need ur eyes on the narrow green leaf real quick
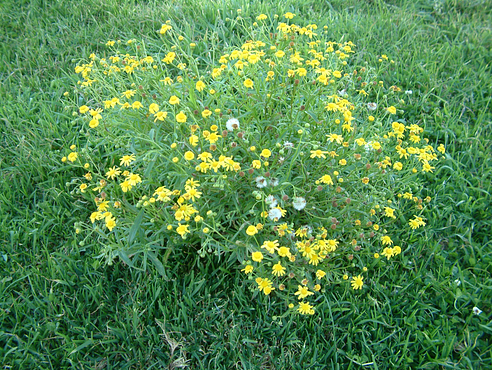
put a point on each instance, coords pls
(135, 227)
(158, 264)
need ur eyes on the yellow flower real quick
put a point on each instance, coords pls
(270, 246)
(389, 212)
(386, 240)
(200, 86)
(302, 292)
(96, 216)
(318, 154)
(257, 256)
(261, 17)
(248, 83)
(251, 230)
(320, 274)
(357, 282)
(110, 223)
(289, 15)
(165, 28)
(193, 140)
(326, 179)
(256, 164)
(83, 187)
(167, 81)
(266, 153)
(182, 230)
(83, 109)
(174, 100)
(161, 116)
(125, 186)
(284, 252)
(153, 108)
(248, 269)
(206, 113)
(305, 309)
(388, 252)
(113, 172)
(416, 222)
(181, 117)
(128, 93)
(280, 54)
(391, 110)
(72, 157)
(127, 159)
(133, 179)
(189, 155)
(278, 269)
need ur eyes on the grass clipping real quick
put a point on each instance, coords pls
(280, 152)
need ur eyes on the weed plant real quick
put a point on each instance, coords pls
(428, 307)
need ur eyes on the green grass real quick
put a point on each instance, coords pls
(59, 309)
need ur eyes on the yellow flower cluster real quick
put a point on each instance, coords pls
(281, 153)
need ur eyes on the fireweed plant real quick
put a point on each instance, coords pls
(282, 154)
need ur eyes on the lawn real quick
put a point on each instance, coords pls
(60, 307)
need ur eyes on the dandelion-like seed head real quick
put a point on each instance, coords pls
(299, 203)
(232, 124)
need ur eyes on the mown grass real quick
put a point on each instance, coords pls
(59, 309)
